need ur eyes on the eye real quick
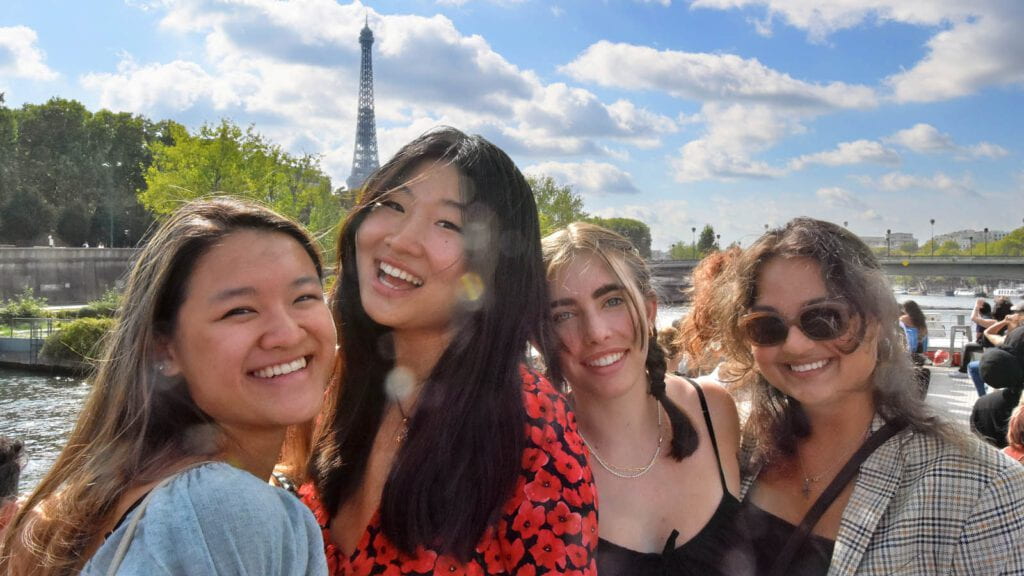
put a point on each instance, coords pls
(240, 311)
(614, 301)
(562, 316)
(449, 225)
(388, 203)
(311, 297)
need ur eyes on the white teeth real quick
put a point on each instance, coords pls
(281, 369)
(606, 360)
(400, 274)
(806, 367)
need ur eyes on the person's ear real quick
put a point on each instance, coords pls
(166, 358)
(651, 309)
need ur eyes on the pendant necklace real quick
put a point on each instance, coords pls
(625, 471)
(403, 431)
(805, 484)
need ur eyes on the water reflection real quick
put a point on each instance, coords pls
(40, 410)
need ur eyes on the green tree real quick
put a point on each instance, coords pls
(681, 251)
(636, 231)
(25, 218)
(706, 241)
(8, 151)
(226, 159)
(557, 206)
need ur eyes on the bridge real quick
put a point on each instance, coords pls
(672, 277)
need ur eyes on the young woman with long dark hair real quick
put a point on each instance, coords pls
(222, 342)
(443, 452)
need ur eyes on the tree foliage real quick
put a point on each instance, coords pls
(226, 159)
(634, 230)
(557, 206)
(706, 242)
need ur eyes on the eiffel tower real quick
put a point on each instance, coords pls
(364, 158)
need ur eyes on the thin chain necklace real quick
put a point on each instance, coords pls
(805, 485)
(624, 471)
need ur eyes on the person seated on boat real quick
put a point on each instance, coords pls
(993, 336)
(915, 327)
(10, 471)
(1003, 369)
(1015, 434)
(981, 316)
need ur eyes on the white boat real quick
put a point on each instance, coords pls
(899, 291)
(1017, 292)
(965, 292)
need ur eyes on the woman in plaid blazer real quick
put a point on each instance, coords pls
(809, 322)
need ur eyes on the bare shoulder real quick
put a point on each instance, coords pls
(720, 402)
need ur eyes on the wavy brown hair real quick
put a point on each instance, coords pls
(136, 423)
(697, 330)
(582, 239)
(851, 272)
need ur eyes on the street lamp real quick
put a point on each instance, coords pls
(933, 235)
(718, 245)
(694, 244)
(888, 234)
(986, 241)
(970, 240)
(846, 224)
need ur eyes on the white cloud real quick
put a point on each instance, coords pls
(926, 139)
(587, 178)
(976, 44)
(939, 182)
(171, 87)
(20, 57)
(923, 138)
(836, 197)
(708, 77)
(986, 150)
(846, 153)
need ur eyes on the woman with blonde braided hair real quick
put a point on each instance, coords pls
(663, 450)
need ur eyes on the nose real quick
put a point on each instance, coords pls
(595, 328)
(405, 237)
(283, 330)
(796, 341)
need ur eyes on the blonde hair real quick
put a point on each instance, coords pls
(1015, 430)
(136, 422)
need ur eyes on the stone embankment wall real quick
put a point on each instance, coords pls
(62, 275)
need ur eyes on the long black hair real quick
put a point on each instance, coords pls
(461, 458)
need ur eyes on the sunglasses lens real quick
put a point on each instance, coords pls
(766, 330)
(823, 323)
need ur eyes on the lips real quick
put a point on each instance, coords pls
(397, 278)
(605, 359)
(280, 369)
(809, 366)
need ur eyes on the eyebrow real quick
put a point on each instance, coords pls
(600, 291)
(230, 293)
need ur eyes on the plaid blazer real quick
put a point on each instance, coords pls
(923, 506)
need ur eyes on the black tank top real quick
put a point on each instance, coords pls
(719, 548)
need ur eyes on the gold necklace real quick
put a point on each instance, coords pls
(805, 485)
(625, 471)
(403, 432)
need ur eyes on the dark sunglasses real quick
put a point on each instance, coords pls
(825, 321)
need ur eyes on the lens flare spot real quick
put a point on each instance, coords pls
(399, 382)
(472, 286)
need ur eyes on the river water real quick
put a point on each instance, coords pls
(40, 409)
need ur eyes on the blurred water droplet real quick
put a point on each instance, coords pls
(399, 382)
(472, 286)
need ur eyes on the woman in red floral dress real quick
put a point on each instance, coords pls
(442, 453)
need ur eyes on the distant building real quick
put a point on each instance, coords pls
(966, 238)
(896, 241)
(364, 157)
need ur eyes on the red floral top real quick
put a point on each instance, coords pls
(549, 526)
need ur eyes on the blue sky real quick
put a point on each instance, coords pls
(735, 113)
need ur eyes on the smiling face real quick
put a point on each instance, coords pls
(813, 372)
(254, 340)
(599, 350)
(410, 253)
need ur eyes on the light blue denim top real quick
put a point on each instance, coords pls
(217, 519)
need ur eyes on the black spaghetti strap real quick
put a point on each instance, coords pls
(711, 429)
